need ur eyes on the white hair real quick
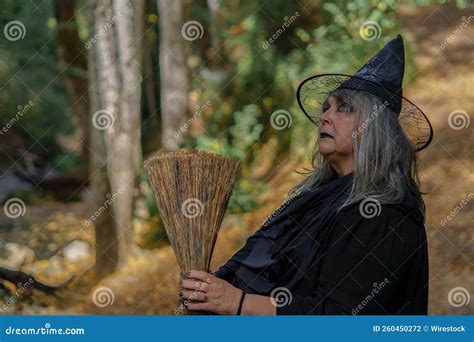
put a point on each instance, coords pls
(385, 163)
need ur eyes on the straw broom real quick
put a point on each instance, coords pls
(192, 190)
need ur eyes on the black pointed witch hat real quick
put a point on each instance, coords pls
(381, 76)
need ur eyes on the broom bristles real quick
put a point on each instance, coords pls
(192, 190)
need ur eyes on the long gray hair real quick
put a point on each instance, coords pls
(385, 162)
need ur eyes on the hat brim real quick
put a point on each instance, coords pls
(314, 90)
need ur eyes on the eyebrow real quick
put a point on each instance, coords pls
(338, 100)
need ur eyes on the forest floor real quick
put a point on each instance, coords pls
(148, 284)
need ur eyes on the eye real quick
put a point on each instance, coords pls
(344, 107)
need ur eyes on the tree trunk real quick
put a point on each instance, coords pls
(173, 72)
(119, 60)
(150, 87)
(214, 59)
(73, 67)
(106, 243)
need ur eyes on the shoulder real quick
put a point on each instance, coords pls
(373, 213)
(375, 225)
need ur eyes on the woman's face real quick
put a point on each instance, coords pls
(335, 130)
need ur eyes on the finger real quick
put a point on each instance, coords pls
(195, 285)
(194, 295)
(201, 275)
(199, 306)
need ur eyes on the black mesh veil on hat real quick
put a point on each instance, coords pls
(381, 76)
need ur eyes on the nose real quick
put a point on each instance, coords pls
(325, 117)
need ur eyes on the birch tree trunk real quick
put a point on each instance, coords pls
(119, 60)
(173, 71)
(106, 244)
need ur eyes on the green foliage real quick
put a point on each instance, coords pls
(29, 72)
(243, 134)
(64, 162)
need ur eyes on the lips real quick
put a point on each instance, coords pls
(324, 135)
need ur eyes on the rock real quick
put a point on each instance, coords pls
(10, 182)
(77, 250)
(17, 255)
(55, 266)
(52, 247)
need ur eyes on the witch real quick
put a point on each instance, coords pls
(351, 239)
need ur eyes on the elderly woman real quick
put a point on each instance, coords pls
(351, 238)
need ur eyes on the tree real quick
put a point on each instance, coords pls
(73, 66)
(117, 44)
(106, 244)
(173, 71)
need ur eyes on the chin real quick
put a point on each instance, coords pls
(326, 148)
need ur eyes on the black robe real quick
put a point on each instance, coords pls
(315, 258)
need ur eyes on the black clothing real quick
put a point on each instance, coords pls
(336, 261)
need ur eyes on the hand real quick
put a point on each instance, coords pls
(214, 294)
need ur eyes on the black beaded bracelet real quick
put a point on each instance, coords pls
(242, 297)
